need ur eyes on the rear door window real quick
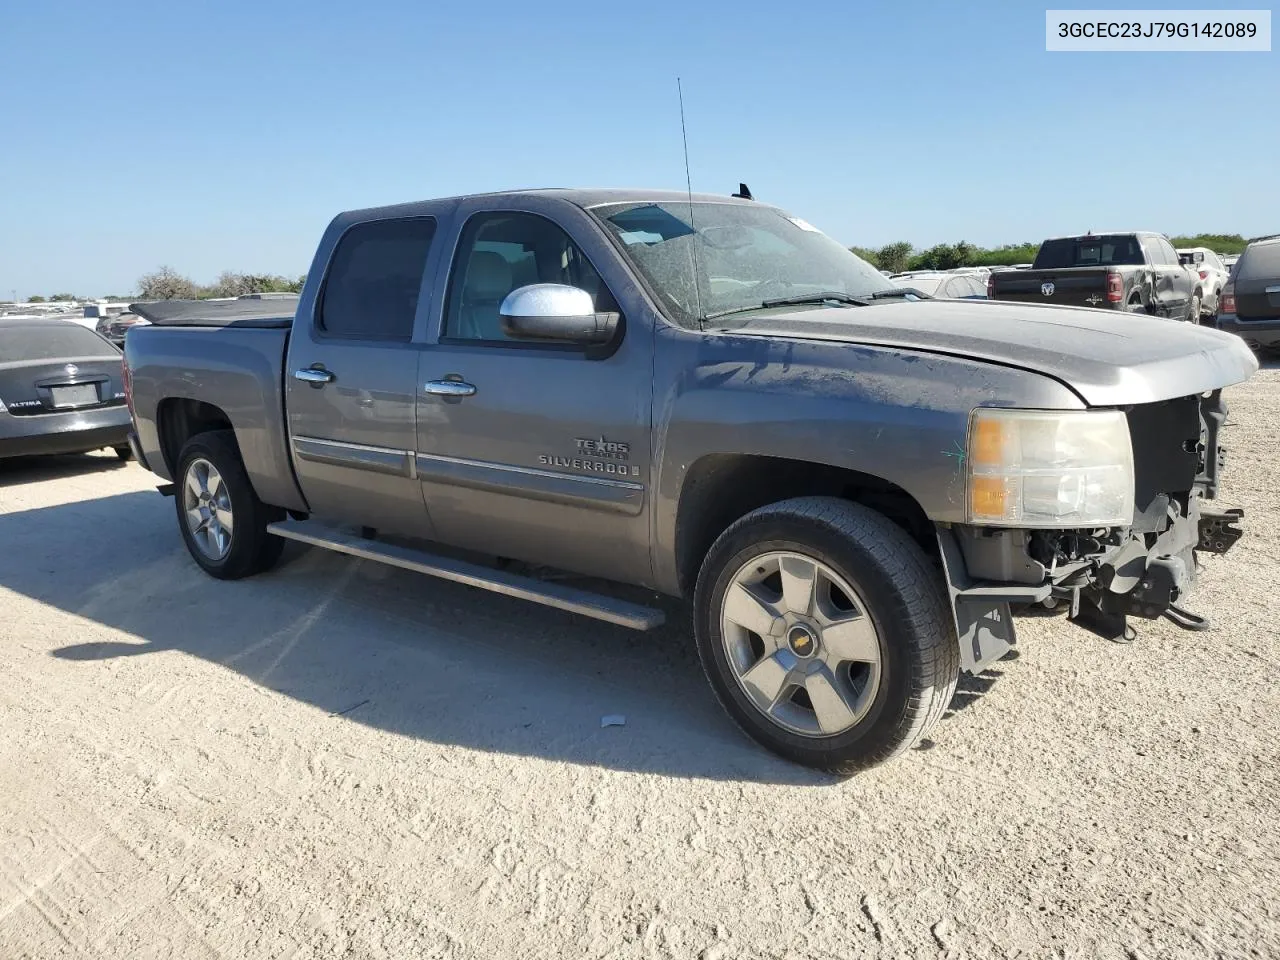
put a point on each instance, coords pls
(54, 341)
(375, 277)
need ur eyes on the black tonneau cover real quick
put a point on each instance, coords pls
(247, 312)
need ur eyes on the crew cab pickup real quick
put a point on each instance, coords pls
(1137, 272)
(853, 484)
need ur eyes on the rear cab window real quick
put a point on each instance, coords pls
(371, 289)
(1101, 251)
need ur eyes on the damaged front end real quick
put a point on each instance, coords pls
(1103, 576)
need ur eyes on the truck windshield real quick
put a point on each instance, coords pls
(1104, 251)
(741, 255)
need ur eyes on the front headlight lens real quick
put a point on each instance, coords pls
(1043, 468)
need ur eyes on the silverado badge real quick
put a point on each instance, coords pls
(597, 455)
(1046, 289)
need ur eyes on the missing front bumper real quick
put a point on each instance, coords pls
(1132, 575)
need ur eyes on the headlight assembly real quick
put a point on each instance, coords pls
(1043, 468)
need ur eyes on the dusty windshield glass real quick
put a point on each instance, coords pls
(741, 255)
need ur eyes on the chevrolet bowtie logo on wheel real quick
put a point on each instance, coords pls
(1046, 289)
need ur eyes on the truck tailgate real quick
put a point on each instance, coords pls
(1068, 287)
(237, 371)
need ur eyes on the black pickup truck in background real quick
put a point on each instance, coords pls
(1138, 272)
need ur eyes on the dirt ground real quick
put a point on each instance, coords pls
(338, 759)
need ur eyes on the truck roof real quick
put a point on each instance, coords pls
(579, 196)
(1108, 233)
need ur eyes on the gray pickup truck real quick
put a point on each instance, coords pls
(1136, 272)
(853, 484)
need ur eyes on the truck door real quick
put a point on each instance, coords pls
(1170, 283)
(1182, 281)
(351, 376)
(1161, 282)
(530, 450)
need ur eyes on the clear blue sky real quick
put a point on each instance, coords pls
(224, 136)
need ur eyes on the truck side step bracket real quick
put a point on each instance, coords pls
(557, 595)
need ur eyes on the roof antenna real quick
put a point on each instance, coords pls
(744, 192)
(693, 238)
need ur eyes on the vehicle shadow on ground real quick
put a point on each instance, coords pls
(388, 648)
(15, 471)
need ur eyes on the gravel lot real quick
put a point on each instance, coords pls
(342, 760)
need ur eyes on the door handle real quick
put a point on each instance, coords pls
(315, 376)
(449, 388)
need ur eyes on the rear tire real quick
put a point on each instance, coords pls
(1193, 311)
(885, 640)
(222, 521)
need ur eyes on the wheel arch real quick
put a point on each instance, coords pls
(718, 489)
(259, 439)
(178, 419)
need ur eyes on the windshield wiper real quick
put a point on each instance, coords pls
(827, 297)
(816, 298)
(904, 292)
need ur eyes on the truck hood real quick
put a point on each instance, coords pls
(1108, 357)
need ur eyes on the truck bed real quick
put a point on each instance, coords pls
(275, 312)
(234, 364)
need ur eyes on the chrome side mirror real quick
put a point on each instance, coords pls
(555, 311)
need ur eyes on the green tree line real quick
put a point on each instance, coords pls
(901, 256)
(166, 283)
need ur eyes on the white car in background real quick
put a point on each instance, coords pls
(937, 283)
(982, 272)
(1213, 276)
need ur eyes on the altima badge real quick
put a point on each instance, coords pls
(1046, 289)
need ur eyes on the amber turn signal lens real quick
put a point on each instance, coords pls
(987, 442)
(987, 497)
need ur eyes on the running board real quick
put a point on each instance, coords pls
(557, 595)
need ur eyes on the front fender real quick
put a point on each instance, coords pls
(897, 415)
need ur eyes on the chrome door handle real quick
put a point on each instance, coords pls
(313, 375)
(448, 388)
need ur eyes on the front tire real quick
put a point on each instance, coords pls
(223, 523)
(824, 631)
